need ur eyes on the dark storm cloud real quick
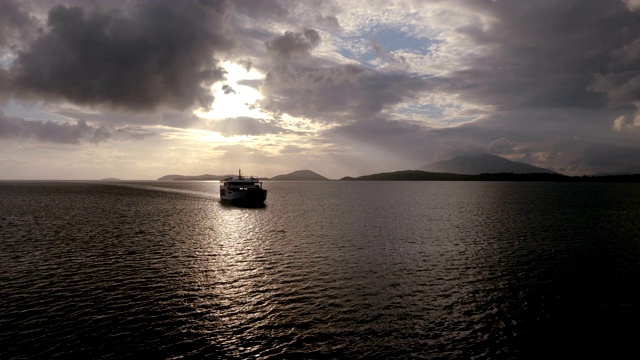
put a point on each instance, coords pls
(262, 9)
(542, 53)
(245, 126)
(290, 11)
(16, 25)
(293, 44)
(156, 53)
(64, 133)
(47, 131)
(607, 158)
(336, 93)
(621, 80)
(228, 89)
(176, 119)
(622, 88)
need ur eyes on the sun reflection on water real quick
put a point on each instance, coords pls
(236, 274)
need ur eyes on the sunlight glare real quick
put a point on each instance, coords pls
(197, 135)
(238, 99)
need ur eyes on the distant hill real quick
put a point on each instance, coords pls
(483, 164)
(110, 179)
(198, 177)
(418, 175)
(415, 175)
(300, 175)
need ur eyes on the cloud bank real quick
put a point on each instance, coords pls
(138, 58)
(372, 86)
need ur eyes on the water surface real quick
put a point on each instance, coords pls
(325, 270)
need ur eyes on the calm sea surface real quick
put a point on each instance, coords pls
(433, 270)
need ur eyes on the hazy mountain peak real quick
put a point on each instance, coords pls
(484, 163)
(300, 175)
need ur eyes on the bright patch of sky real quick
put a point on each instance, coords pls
(198, 136)
(6, 60)
(385, 44)
(233, 99)
(393, 39)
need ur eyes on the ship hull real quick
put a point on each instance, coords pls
(245, 197)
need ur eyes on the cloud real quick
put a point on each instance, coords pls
(234, 156)
(526, 77)
(48, 131)
(16, 24)
(272, 9)
(626, 122)
(63, 132)
(293, 44)
(228, 89)
(292, 149)
(384, 85)
(176, 119)
(609, 158)
(157, 53)
(501, 146)
(401, 144)
(245, 126)
(506, 55)
(633, 5)
(328, 21)
(336, 93)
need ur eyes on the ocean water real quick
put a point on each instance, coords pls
(433, 270)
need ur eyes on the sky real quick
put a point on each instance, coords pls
(142, 89)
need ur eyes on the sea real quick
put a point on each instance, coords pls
(325, 270)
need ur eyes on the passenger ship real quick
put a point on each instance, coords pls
(239, 190)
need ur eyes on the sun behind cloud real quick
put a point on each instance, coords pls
(232, 99)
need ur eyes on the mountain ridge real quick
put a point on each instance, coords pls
(300, 175)
(483, 164)
(419, 175)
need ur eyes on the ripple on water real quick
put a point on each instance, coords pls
(326, 269)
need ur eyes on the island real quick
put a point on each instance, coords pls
(300, 175)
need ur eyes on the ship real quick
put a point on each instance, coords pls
(242, 191)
